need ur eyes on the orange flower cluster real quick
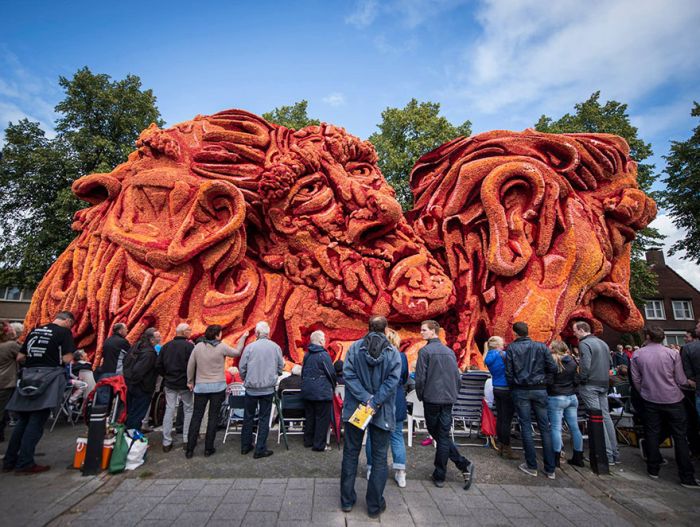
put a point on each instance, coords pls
(228, 219)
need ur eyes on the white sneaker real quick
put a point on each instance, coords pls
(400, 477)
(529, 471)
(369, 472)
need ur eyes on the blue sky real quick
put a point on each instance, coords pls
(500, 64)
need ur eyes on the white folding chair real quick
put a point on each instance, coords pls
(415, 417)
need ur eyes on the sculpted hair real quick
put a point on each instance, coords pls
(582, 325)
(521, 329)
(212, 332)
(655, 334)
(378, 324)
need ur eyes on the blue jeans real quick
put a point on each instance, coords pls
(438, 420)
(398, 448)
(348, 472)
(566, 405)
(25, 437)
(525, 402)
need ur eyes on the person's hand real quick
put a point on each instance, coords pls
(190, 386)
(691, 383)
(246, 333)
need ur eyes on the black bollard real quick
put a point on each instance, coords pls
(97, 428)
(596, 441)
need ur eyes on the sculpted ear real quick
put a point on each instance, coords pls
(216, 214)
(97, 188)
(519, 203)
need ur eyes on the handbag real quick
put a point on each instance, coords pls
(488, 420)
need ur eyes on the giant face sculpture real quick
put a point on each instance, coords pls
(532, 227)
(229, 219)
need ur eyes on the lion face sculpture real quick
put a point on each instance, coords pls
(226, 219)
(533, 227)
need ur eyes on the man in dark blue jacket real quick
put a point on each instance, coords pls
(437, 383)
(528, 363)
(372, 370)
(317, 385)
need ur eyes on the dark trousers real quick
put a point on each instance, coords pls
(504, 414)
(5, 395)
(527, 401)
(137, 403)
(25, 437)
(438, 419)
(655, 415)
(215, 400)
(348, 472)
(263, 405)
(318, 420)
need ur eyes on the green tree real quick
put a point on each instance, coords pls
(682, 197)
(405, 134)
(612, 118)
(98, 122)
(294, 116)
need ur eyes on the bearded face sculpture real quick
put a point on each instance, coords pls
(531, 227)
(229, 219)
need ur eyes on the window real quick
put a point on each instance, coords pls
(654, 310)
(682, 309)
(15, 294)
(675, 337)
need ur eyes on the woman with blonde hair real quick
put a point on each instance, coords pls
(562, 401)
(398, 447)
(495, 361)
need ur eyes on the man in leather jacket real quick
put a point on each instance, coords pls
(528, 363)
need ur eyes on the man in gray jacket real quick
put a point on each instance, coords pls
(437, 383)
(260, 366)
(594, 372)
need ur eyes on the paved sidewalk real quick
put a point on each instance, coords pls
(299, 502)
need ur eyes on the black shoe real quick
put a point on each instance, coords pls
(468, 475)
(374, 515)
(264, 453)
(347, 508)
(438, 483)
(246, 450)
(577, 459)
(208, 453)
(167, 448)
(8, 468)
(189, 454)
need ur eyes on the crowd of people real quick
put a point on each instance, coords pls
(529, 380)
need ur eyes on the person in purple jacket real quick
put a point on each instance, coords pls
(657, 373)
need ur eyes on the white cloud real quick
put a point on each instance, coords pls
(364, 14)
(556, 53)
(409, 13)
(334, 99)
(687, 269)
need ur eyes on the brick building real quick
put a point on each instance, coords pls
(14, 303)
(675, 306)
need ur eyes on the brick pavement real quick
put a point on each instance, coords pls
(315, 501)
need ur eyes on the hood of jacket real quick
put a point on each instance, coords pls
(315, 348)
(374, 347)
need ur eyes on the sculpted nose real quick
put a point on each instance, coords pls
(379, 216)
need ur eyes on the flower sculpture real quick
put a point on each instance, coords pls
(533, 227)
(228, 219)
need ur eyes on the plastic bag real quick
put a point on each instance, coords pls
(121, 449)
(488, 420)
(138, 446)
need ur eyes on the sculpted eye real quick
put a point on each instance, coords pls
(359, 169)
(310, 194)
